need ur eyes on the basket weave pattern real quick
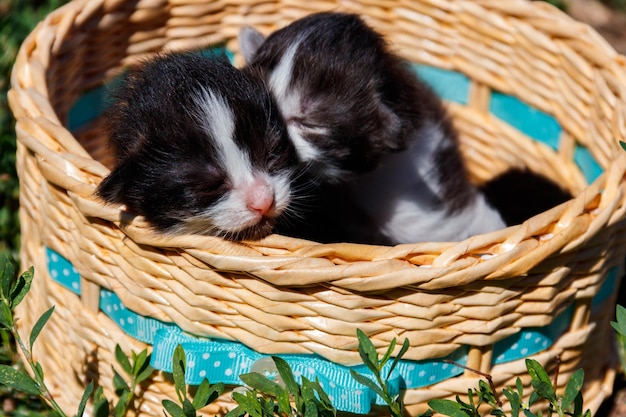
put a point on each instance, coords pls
(284, 295)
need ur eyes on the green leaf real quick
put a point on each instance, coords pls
(620, 325)
(268, 406)
(447, 408)
(100, 403)
(18, 380)
(206, 394)
(578, 404)
(286, 374)
(363, 380)
(470, 405)
(173, 409)
(486, 394)
(311, 409)
(122, 403)
(145, 373)
(623, 144)
(322, 395)
(545, 390)
(39, 325)
(534, 397)
(7, 274)
(520, 387)
(38, 371)
(122, 359)
(140, 361)
(6, 316)
(188, 408)
(537, 372)
(248, 403)
(83, 401)
(574, 385)
(264, 385)
(202, 394)
(21, 287)
(515, 401)
(236, 412)
(388, 353)
(119, 385)
(179, 363)
(529, 413)
(367, 352)
(403, 350)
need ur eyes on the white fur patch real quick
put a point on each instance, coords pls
(218, 121)
(289, 102)
(231, 212)
(404, 212)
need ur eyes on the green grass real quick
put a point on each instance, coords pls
(616, 4)
(17, 19)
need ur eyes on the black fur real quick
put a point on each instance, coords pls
(519, 194)
(167, 169)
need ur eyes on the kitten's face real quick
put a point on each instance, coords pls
(334, 118)
(329, 75)
(200, 149)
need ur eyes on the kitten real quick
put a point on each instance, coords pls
(200, 148)
(376, 139)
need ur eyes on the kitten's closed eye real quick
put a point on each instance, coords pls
(210, 154)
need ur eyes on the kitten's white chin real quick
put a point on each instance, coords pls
(233, 213)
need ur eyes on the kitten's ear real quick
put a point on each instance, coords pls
(113, 188)
(250, 40)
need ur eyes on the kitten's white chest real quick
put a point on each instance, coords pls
(403, 196)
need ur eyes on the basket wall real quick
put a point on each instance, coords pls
(288, 296)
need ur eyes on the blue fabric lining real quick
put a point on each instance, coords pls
(587, 163)
(449, 85)
(528, 120)
(92, 103)
(531, 340)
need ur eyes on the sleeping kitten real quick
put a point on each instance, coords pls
(376, 139)
(200, 148)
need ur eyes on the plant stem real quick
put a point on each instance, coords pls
(484, 375)
(45, 392)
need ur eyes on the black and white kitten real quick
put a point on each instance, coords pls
(376, 139)
(199, 147)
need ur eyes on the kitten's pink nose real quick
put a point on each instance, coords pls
(260, 197)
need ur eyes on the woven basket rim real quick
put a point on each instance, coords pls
(89, 172)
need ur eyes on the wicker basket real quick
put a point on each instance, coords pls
(527, 86)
